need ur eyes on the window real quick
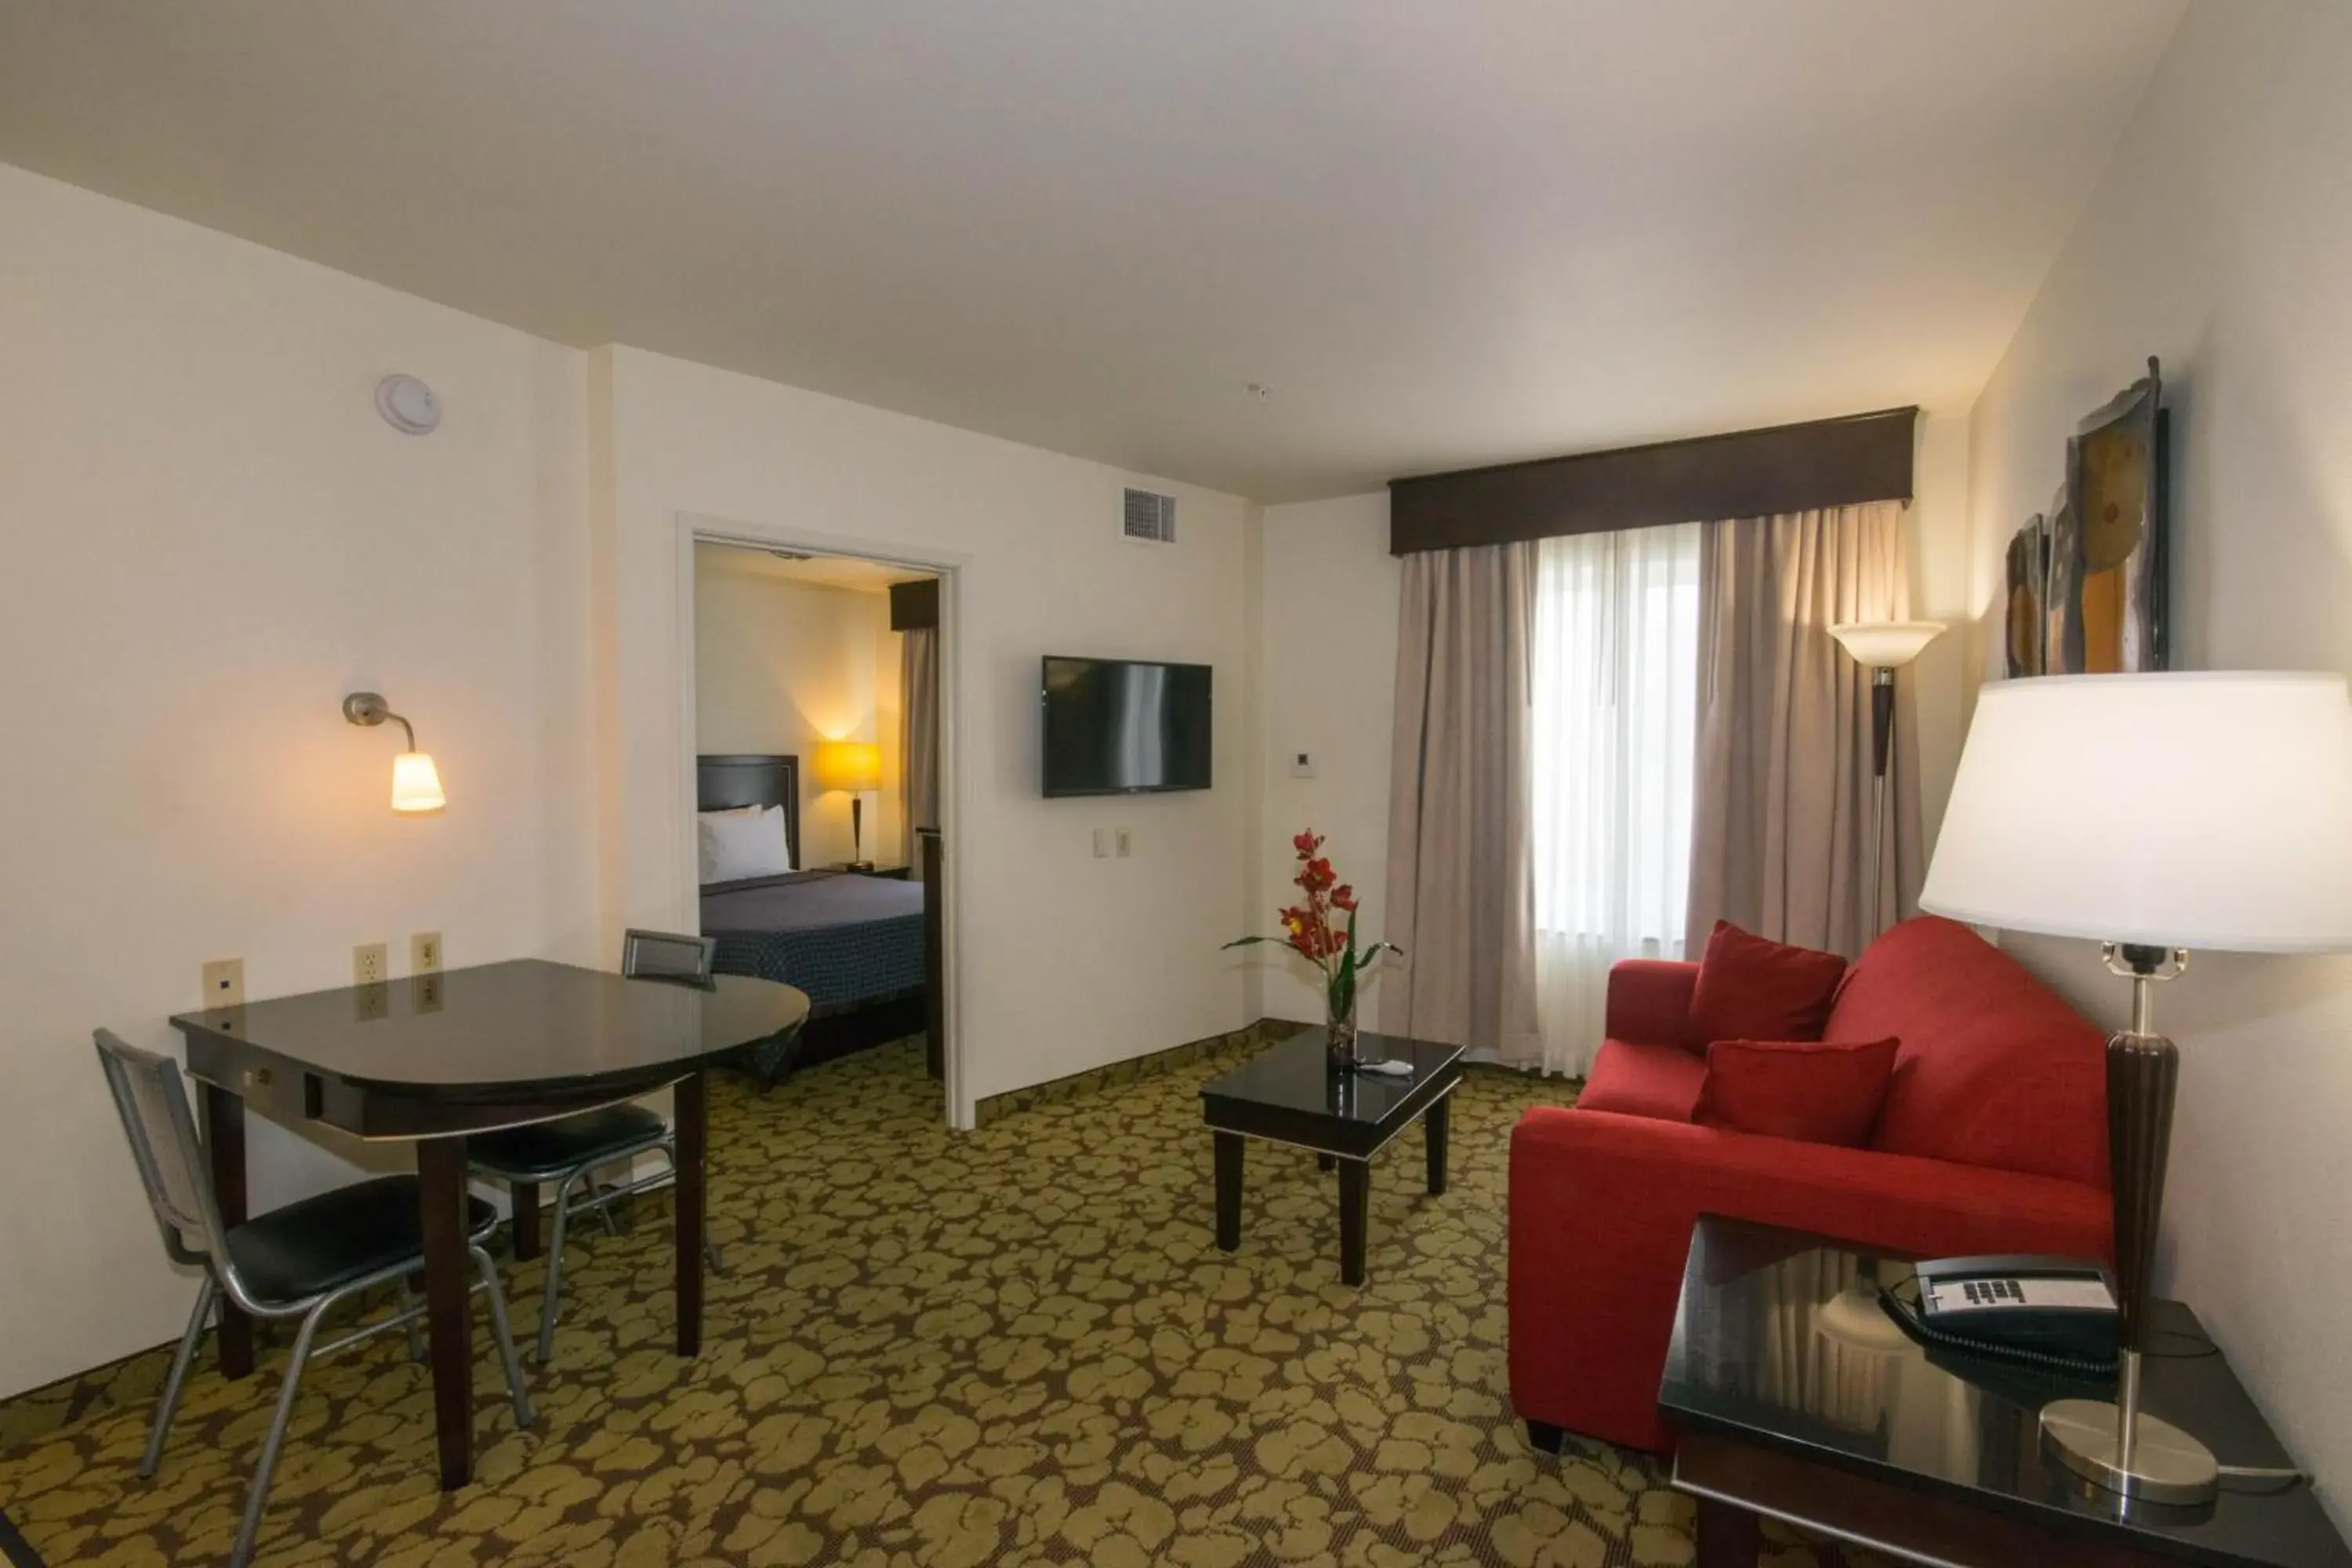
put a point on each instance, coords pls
(1615, 692)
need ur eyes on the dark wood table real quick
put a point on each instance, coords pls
(1289, 1094)
(1795, 1395)
(431, 1059)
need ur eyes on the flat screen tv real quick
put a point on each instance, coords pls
(1114, 726)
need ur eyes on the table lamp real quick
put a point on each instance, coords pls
(854, 766)
(2152, 814)
(1881, 647)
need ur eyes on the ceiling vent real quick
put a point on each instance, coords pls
(1149, 519)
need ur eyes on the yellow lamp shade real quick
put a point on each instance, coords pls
(1883, 645)
(416, 783)
(849, 764)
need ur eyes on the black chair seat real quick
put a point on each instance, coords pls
(319, 1244)
(549, 1151)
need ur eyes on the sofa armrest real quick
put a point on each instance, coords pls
(1649, 1000)
(1602, 1207)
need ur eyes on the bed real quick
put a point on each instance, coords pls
(857, 945)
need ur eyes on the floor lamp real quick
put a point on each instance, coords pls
(1881, 647)
(2152, 814)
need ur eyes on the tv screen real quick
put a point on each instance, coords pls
(1116, 727)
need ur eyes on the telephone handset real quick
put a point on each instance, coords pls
(2058, 1312)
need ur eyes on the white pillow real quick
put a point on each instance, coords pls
(742, 843)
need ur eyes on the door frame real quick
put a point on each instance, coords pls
(697, 528)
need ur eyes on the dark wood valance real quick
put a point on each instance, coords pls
(914, 605)
(1749, 473)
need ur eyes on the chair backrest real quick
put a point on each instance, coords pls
(668, 956)
(153, 1103)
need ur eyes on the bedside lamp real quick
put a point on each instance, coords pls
(1881, 647)
(854, 766)
(416, 782)
(2152, 814)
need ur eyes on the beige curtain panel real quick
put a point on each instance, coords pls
(1461, 866)
(918, 738)
(1781, 807)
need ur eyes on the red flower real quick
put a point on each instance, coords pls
(1316, 874)
(1307, 844)
(1343, 897)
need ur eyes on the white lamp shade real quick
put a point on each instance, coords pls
(2174, 810)
(1883, 644)
(417, 782)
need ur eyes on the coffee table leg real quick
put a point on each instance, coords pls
(1355, 1213)
(1729, 1537)
(1229, 1191)
(689, 1106)
(1435, 1125)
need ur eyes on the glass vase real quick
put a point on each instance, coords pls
(1339, 1034)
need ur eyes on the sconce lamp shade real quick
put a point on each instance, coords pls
(417, 782)
(2206, 809)
(848, 764)
(1883, 645)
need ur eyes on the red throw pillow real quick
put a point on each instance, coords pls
(1752, 989)
(1809, 1091)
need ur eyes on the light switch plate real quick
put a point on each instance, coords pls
(1102, 843)
(1302, 765)
(424, 953)
(225, 983)
(370, 963)
(1125, 844)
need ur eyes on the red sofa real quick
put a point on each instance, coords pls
(1993, 1138)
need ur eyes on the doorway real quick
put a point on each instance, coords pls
(817, 740)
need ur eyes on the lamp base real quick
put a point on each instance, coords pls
(2165, 1465)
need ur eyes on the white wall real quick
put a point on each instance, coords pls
(1065, 961)
(784, 666)
(1328, 644)
(211, 537)
(2220, 239)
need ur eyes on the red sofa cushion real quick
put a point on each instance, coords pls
(1813, 1091)
(1752, 989)
(1994, 1070)
(1634, 1078)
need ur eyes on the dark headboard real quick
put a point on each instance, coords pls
(721, 783)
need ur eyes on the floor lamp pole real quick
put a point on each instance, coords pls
(1881, 744)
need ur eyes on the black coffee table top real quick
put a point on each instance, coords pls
(1780, 1341)
(1288, 1093)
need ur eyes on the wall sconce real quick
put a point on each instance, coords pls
(416, 783)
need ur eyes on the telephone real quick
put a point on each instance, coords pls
(2057, 1312)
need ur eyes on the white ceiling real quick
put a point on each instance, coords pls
(825, 570)
(1444, 234)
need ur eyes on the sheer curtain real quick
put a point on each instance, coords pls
(1615, 690)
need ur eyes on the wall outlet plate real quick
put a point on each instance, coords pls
(370, 963)
(225, 983)
(1125, 844)
(1102, 843)
(424, 953)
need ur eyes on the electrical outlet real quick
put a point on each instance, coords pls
(370, 963)
(1125, 844)
(225, 983)
(1102, 843)
(424, 953)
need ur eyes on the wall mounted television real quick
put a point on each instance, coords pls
(1116, 726)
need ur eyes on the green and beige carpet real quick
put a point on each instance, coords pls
(1018, 1346)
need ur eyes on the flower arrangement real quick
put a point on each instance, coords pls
(1311, 931)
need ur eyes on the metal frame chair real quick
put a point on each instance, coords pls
(152, 1098)
(568, 1153)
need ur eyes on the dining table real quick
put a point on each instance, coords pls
(430, 1059)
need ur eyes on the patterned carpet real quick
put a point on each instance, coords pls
(1019, 1346)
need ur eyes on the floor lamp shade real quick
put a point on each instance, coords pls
(2170, 810)
(2154, 814)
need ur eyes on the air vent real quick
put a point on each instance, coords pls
(1151, 519)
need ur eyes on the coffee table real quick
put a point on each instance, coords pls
(1290, 1095)
(1796, 1397)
